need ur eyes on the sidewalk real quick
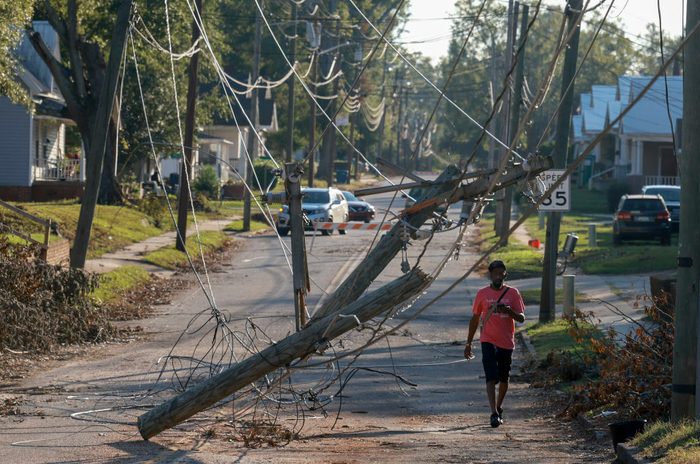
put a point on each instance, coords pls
(133, 254)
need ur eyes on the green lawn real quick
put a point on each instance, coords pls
(584, 201)
(605, 258)
(553, 337)
(669, 443)
(532, 296)
(255, 226)
(170, 258)
(114, 283)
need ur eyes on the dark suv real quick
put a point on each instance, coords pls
(642, 217)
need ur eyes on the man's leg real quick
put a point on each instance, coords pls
(491, 393)
(502, 390)
(504, 358)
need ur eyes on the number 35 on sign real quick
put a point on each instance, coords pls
(560, 199)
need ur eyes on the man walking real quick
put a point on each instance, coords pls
(496, 307)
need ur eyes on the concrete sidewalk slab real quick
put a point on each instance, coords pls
(133, 254)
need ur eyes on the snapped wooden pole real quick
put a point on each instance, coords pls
(311, 339)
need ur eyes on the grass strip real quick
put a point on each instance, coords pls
(670, 443)
(255, 226)
(116, 282)
(171, 258)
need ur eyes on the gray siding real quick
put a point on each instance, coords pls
(15, 136)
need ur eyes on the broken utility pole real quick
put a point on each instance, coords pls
(346, 308)
(299, 345)
(292, 186)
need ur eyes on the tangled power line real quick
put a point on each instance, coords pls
(213, 335)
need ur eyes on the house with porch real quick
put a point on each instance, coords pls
(640, 149)
(36, 166)
(222, 144)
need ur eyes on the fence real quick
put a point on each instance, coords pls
(62, 169)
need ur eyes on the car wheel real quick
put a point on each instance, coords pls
(326, 233)
(366, 221)
(342, 231)
(283, 231)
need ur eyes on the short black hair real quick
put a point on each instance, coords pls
(497, 264)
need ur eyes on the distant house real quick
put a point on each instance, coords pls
(639, 150)
(35, 165)
(224, 142)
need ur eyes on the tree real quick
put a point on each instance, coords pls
(88, 85)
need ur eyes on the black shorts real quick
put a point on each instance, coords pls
(496, 362)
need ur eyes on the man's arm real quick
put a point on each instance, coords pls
(505, 309)
(473, 324)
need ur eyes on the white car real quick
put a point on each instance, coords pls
(319, 205)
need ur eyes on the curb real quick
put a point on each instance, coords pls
(629, 454)
(525, 339)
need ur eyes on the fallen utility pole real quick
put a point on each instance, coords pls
(346, 308)
(292, 187)
(445, 190)
(186, 172)
(312, 339)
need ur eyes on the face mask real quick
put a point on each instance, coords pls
(497, 283)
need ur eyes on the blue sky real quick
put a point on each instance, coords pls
(430, 22)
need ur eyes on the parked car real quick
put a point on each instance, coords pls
(359, 210)
(319, 205)
(672, 197)
(642, 217)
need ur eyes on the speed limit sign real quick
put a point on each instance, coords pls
(560, 199)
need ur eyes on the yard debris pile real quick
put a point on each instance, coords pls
(632, 376)
(43, 306)
(138, 302)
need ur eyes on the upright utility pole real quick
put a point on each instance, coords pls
(290, 97)
(686, 375)
(186, 171)
(332, 135)
(504, 117)
(312, 116)
(561, 148)
(380, 139)
(255, 119)
(516, 103)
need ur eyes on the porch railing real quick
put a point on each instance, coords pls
(662, 180)
(63, 169)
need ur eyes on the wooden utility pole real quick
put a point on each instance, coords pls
(99, 133)
(686, 375)
(254, 118)
(342, 311)
(299, 345)
(290, 97)
(501, 222)
(312, 127)
(516, 103)
(294, 174)
(186, 171)
(380, 139)
(561, 148)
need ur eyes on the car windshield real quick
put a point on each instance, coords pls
(642, 204)
(316, 196)
(350, 197)
(667, 194)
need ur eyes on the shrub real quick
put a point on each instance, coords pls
(44, 306)
(207, 182)
(264, 171)
(155, 208)
(614, 193)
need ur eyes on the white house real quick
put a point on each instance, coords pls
(639, 149)
(35, 163)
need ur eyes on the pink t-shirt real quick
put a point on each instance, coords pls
(500, 328)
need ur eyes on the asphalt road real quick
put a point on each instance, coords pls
(409, 398)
